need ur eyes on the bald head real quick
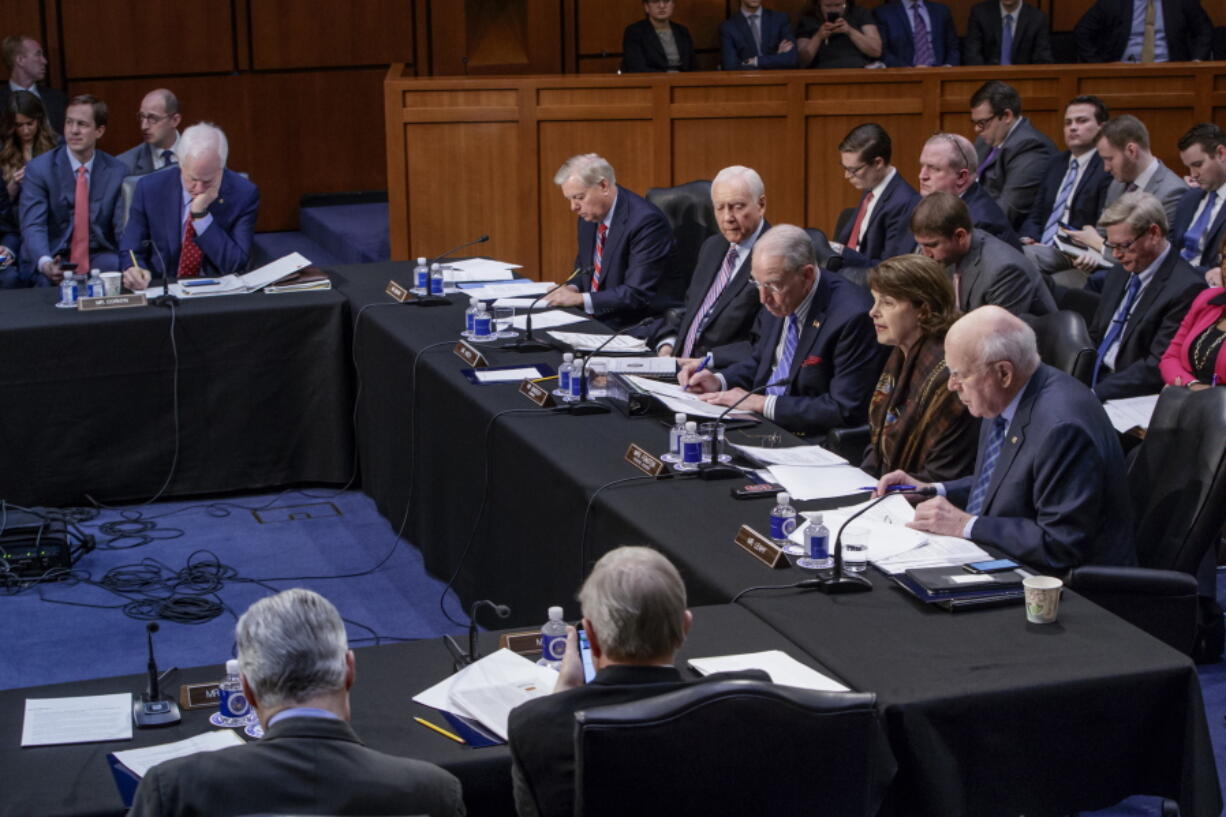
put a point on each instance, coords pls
(991, 356)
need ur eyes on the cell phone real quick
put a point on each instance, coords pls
(756, 489)
(833, 16)
(1063, 226)
(203, 282)
(585, 653)
(68, 267)
(991, 566)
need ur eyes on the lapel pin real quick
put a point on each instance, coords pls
(817, 324)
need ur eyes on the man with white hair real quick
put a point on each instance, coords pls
(635, 616)
(296, 670)
(947, 163)
(195, 218)
(1049, 486)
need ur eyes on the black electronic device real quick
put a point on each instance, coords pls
(991, 566)
(150, 710)
(37, 544)
(757, 490)
(833, 16)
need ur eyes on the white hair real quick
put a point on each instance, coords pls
(745, 175)
(962, 152)
(202, 138)
(635, 600)
(291, 647)
(588, 168)
(789, 243)
(1013, 340)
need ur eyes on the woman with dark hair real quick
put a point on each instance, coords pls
(837, 34)
(656, 43)
(1194, 358)
(24, 134)
(916, 423)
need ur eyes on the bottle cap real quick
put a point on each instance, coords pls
(783, 498)
(691, 426)
(555, 613)
(568, 357)
(435, 266)
(421, 261)
(816, 519)
(232, 666)
(679, 417)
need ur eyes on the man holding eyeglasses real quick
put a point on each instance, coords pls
(1012, 154)
(879, 229)
(159, 125)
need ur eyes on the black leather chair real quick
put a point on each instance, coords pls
(733, 747)
(688, 209)
(1082, 301)
(845, 218)
(1064, 342)
(822, 249)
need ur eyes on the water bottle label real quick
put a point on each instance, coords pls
(564, 380)
(782, 526)
(553, 647)
(674, 442)
(468, 322)
(692, 452)
(423, 279)
(481, 326)
(819, 546)
(96, 290)
(68, 292)
(233, 704)
(576, 385)
(436, 286)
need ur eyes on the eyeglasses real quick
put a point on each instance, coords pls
(962, 378)
(151, 118)
(769, 286)
(980, 124)
(1123, 246)
(853, 171)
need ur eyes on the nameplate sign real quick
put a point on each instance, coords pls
(111, 302)
(526, 643)
(648, 463)
(469, 354)
(199, 696)
(397, 293)
(536, 393)
(760, 547)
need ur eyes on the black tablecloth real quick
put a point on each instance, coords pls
(86, 398)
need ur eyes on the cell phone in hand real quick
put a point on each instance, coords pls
(585, 653)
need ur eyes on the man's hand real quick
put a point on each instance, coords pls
(784, 47)
(1087, 236)
(136, 278)
(1027, 239)
(51, 269)
(571, 672)
(564, 296)
(839, 26)
(666, 350)
(897, 478)
(940, 516)
(1086, 264)
(691, 380)
(730, 397)
(200, 204)
(1214, 277)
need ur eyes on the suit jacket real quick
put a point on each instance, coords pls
(1150, 328)
(1031, 41)
(47, 203)
(1209, 307)
(301, 766)
(157, 205)
(541, 732)
(835, 366)
(992, 272)
(1170, 190)
(897, 44)
(1057, 497)
(642, 52)
(638, 253)
(1102, 32)
(888, 231)
(138, 160)
(736, 41)
(987, 215)
(55, 103)
(1213, 235)
(1089, 197)
(1013, 176)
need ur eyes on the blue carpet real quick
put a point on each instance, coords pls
(352, 233)
(334, 535)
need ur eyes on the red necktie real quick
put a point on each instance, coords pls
(601, 231)
(853, 242)
(79, 246)
(189, 255)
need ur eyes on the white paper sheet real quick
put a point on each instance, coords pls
(885, 522)
(638, 365)
(493, 292)
(1131, 412)
(274, 271)
(505, 375)
(584, 342)
(544, 320)
(481, 269)
(805, 482)
(782, 668)
(87, 719)
(519, 303)
(937, 551)
(811, 455)
(679, 400)
(142, 760)
(488, 690)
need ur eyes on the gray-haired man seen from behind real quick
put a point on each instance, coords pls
(296, 670)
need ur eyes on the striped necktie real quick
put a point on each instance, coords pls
(790, 341)
(1192, 238)
(1057, 210)
(983, 479)
(598, 266)
(726, 271)
(923, 43)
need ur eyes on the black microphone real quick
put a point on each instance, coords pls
(165, 299)
(500, 609)
(718, 470)
(839, 581)
(586, 406)
(528, 343)
(440, 300)
(456, 249)
(150, 709)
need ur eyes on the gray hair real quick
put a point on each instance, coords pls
(170, 102)
(1012, 340)
(588, 168)
(788, 242)
(202, 138)
(1138, 210)
(962, 152)
(291, 647)
(745, 175)
(635, 599)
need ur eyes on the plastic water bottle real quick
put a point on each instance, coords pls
(674, 438)
(233, 707)
(94, 288)
(482, 321)
(563, 389)
(436, 280)
(817, 546)
(421, 277)
(469, 314)
(578, 374)
(691, 448)
(68, 290)
(783, 519)
(553, 639)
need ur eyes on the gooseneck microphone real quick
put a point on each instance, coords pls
(465, 245)
(528, 343)
(586, 406)
(718, 470)
(460, 657)
(839, 580)
(150, 709)
(440, 300)
(165, 299)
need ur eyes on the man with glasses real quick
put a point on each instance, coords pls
(1048, 487)
(879, 229)
(947, 163)
(817, 356)
(1012, 154)
(159, 125)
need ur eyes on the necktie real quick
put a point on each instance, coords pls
(1006, 41)
(78, 248)
(1191, 239)
(189, 255)
(1057, 209)
(756, 30)
(853, 241)
(987, 161)
(984, 478)
(1131, 187)
(1117, 325)
(1147, 45)
(601, 232)
(923, 43)
(168, 156)
(785, 357)
(726, 271)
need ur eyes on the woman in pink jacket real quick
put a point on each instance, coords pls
(1195, 358)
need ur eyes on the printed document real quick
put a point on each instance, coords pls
(140, 761)
(544, 320)
(1131, 412)
(782, 668)
(811, 455)
(584, 342)
(679, 400)
(87, 719)
(489, 689)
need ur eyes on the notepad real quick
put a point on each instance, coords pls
(84, 719)
(781, 667)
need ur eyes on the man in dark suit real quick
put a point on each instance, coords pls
(643, 42)
(1027, 43)
(947, 163)
(754, 37)
(721, 305)
(69, 200)
(1048, 487)
(881, 227)
(296, 671)
(1117, 31)
(815, 340)
(199, 215)
(27, 66)
(159, 125)
(915, 33)
(1143, 301)
(633, 655)
(1200, 222)
(1012, 154)
(626, 246)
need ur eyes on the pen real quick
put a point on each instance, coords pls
(706, 361)
(543, 379)
(132, 255)
(440, 730)
(891, 488)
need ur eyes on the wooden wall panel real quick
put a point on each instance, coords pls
(723, 143)
(23, 17)
(144, 39)
(306, 34)
(495, 37)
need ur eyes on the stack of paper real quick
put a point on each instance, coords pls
(810, 455)
(645, 366)
(140, 761)
(583, 342)
(1131, 412)
(781, 667)
(679, 400)
(87, 719)
(805, 482)
(479, 269)
(516, 289)
(544, 320)
(489, 689)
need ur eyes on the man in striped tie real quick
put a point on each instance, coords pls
(1048, 487)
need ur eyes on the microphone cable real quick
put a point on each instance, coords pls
(587, 512)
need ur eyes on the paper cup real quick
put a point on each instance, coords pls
(112, 282)
(1042, 598)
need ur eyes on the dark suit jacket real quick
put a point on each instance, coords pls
(638, 253)
(55, 103)
(736, 41)
(138, 160)
(1089, 198)
(156, 207)
(541, 732)
(1057, 497)
(47, 198)
(987, 215)
(301, 766)
(836, 364)
(1102, 32)
(1151, 327)
(995, 273)
(1013, 177)
(641, 49)
(1214, 233)
(1031, 41)
(897, 44)
(888, 232)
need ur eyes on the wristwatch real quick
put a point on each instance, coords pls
(198, 216)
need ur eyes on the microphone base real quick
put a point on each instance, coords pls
(840, 585)
(166, 300)
(584, 407)
(717, 470)
(527, 344)
(147, 714)
(430, 300)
